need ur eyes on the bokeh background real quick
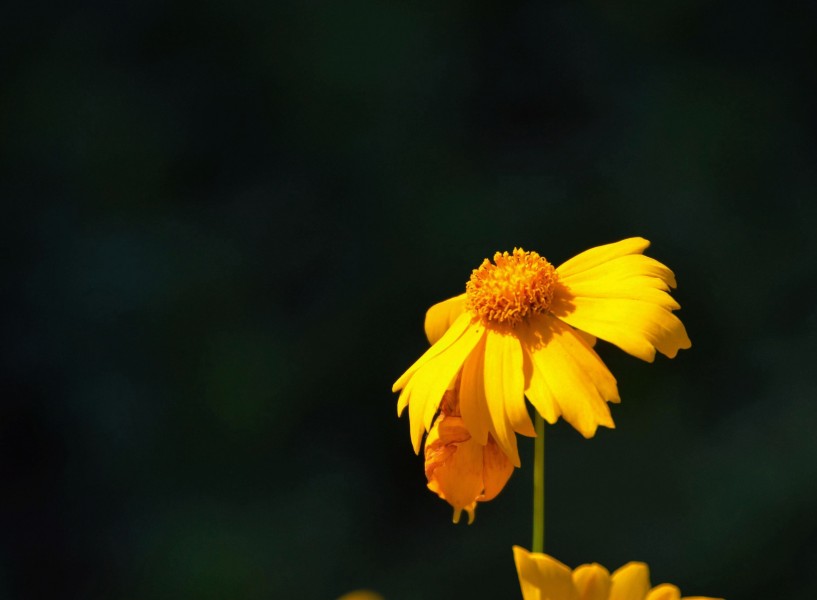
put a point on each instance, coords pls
(222, 226)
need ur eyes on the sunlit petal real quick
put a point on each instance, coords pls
(577, 380)
(630, 582)
(592, 582)
(473, 405)
(425, 389)
(542, 577)
(440, 317)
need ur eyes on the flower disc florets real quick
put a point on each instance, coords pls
(512, 287)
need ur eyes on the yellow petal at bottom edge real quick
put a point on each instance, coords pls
(630, 582)
(361, 595)
(542, 577)
(592, 582)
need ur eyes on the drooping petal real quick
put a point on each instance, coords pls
(542, 577)
(602, 254)
(454, 465)
(473, 405)
(454, 332)
(426, 387)
(569, 374)
(637, 327)
(630, 582)
(504, 382)
(538, 392)
(440, 317)
(592, 582)
(621, 296)
(665, 591)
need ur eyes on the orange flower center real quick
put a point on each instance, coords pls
(512, 287)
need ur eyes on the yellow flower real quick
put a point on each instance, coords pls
(524, 328)
(459, 469)
(542, 577)
(361, 595)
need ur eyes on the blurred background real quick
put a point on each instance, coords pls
(223, 225)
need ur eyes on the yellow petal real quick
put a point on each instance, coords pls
(504, 381)
(538, 392)
(665, 591)
(542, 577)
(454, 332)
(361, 595)
(590, 340)
(577, 379)
(440, 317)
(454, 465)
(642, 270)
(630, 582)
(622, 299)
(425, 389)
(592, 582)
(601, 254)
(635, 326)
(473, 405)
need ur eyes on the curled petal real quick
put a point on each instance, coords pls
(460, 470)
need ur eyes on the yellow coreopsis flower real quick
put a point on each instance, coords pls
(542, 577)
(459, 469)
(525, 328)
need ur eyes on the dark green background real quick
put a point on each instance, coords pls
(223, 223)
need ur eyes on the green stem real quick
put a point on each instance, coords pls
(539, 486)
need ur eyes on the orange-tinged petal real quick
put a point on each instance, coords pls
(592, 582)
(497, 470)
(504, 379)
(601, 254)
(473, 405)
(440, 317)
(665, 591)
(542, 577)
(590, 340)
(454, 465)
(426, 387)
(577, 379)
(630, 582)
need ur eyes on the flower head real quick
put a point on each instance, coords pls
(460, 470)
(542, 577)
(526, 329)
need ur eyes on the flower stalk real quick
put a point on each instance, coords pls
(538, 544)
